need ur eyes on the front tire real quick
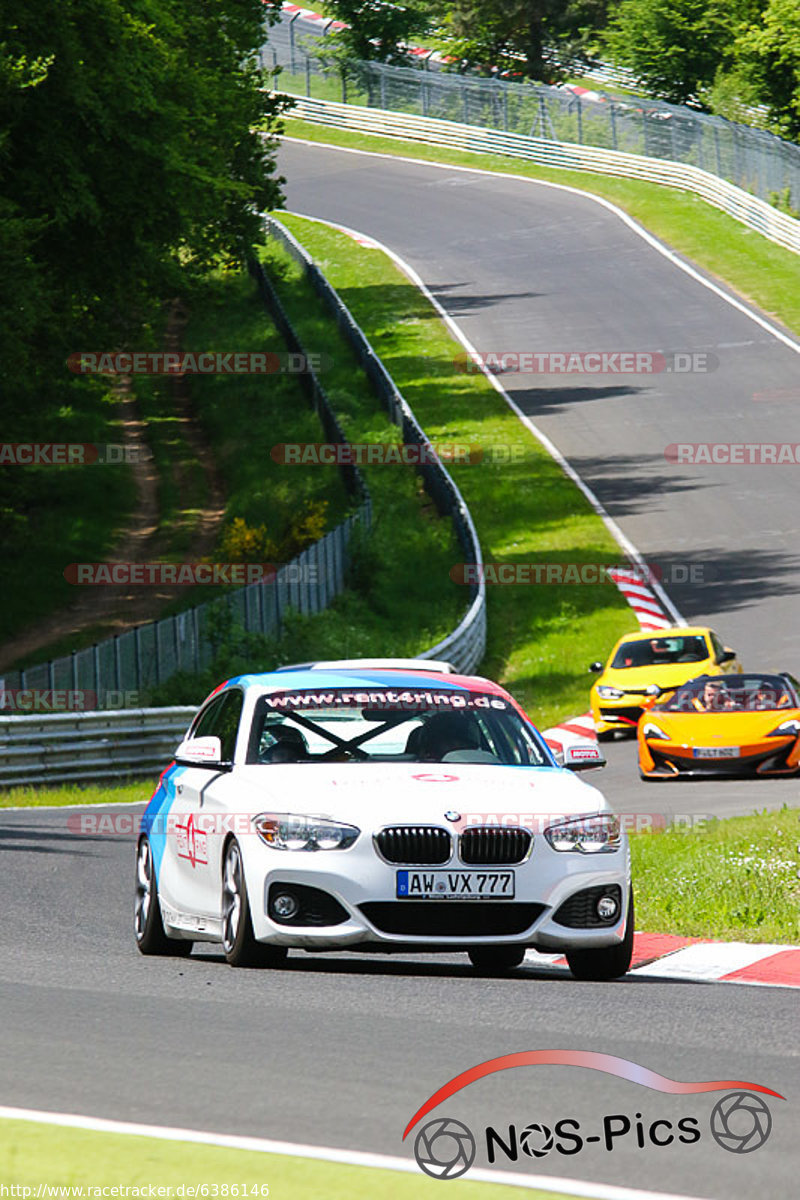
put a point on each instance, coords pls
(147, 923)
(611, 962)
(493, 960)
(238, 941)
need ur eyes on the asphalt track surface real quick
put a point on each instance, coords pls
(524, 267)
(342, 1050)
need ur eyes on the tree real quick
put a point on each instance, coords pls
(374, 31)
(768, 53)
(675, 47)
(135, 150)
(524, 36)
(129, 161)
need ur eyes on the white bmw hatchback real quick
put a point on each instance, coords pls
(382, 806)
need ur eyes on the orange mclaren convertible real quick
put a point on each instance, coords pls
(723, 725)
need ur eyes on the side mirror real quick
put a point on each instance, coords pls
(583, 756)
(201, 752)
(727, 656)
(596, 667)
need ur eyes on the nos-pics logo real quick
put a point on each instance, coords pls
(446, 1148)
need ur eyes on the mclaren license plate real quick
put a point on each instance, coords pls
(455, 885)
(716, 752)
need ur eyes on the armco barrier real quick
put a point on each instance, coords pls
(750, 210)
(96, 747)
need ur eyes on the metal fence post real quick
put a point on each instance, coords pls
(291, 41)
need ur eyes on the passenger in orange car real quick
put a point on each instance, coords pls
(714, 697)
(764, 697)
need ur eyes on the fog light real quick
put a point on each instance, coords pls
(284, 906)
(607, 908)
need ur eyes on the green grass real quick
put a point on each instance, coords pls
(734, 879)
(756, 268)
(242, 417)
(540, 638)
(31, 1154)
(69, 794)
(245, 415)
(51, 516)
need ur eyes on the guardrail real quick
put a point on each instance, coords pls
(99, 747)
(750, 210)
(466, 645)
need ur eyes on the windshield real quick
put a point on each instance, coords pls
(655, 651)
(731, 693)
(392, 726)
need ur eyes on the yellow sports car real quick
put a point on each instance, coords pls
(735, 725)
(649, 663)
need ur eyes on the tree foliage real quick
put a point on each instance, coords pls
(676, 47)
(768, 51)
(375, 31)
(521, 36)
(127, 159)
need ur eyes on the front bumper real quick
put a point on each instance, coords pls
(661, 760)
(616, 714)
(363, 890)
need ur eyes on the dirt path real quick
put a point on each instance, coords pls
(113, 609)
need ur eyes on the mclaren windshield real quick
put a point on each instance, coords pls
(731, 694)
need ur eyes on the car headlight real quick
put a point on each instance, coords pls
(599, 834)
(787, 729)
(295, 831)
(652, 731)
(609, 693)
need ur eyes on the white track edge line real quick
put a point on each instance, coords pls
(638, 229)
(355, 1158)
(611, 525)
